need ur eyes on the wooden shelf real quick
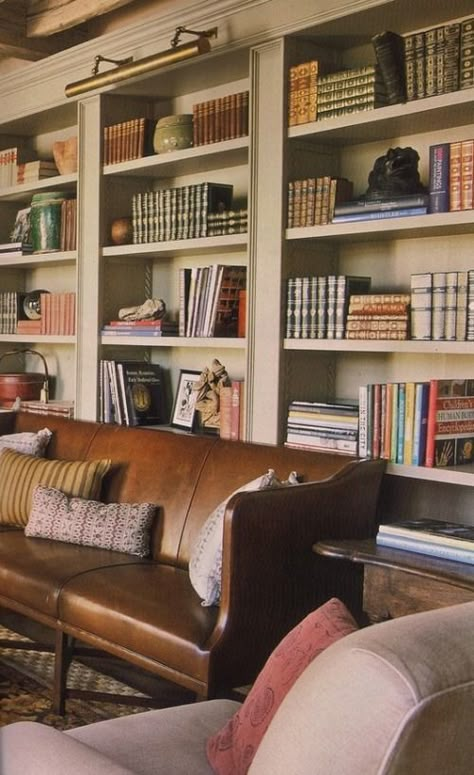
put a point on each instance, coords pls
(188, 161)
(40, 259)
(410, 347)
(198, 246)
(176, 341)
(461, 475)
(23, 192)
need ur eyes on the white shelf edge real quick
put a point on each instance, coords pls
(408, 226)
(231, 343)
(49, 338)
(409, 346)
(40, 259)
(200, 244)
(45, 184)
(453, 475)
(367, 118)
(173, 157)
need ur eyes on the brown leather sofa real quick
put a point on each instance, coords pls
(145, 610)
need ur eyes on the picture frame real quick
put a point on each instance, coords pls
(183, 414)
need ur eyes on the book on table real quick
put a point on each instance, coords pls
(438, 538)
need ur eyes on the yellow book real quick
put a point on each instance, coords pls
(409, 422)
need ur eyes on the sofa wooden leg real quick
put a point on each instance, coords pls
(63, 657)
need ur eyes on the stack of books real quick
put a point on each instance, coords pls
(55, 408)
(350, 91)
(140, 328)
(15, 249)
(378, 316)
(178, 213)
(435, 537)
(209, 299)
(312, 201)
(451, 174)
(128, 140)
(231, 405)
(32, 171)
(323, 426)
(317, 307)
(375, 209)
(227, 222)
(418, 423)
(222, 118)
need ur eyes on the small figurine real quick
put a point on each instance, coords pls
(395, 174)
(208, 388)
(151, 309)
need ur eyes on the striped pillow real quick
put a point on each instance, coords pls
(19, 475)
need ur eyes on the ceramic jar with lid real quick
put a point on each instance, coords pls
(173, 133)
(46, 221)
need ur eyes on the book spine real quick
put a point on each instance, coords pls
(402, 212)
(431, 424)
(466, 59)
(365, 206)
(225, 412)
(439, 178)
(461, 306)
(451, 306)
(423, 547)
(363, 430)
(439, 306)
(409, 423)
(455, 172)
(236, 409)
(467, 159)
(421, 306)
(420, 423)
(389, 50)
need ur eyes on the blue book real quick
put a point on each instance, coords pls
(401, 422)
(422, 392)
(375, 205)
(439, 178)
(425, 547)
(401, 212)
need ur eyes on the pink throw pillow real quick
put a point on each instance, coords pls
(231, 750)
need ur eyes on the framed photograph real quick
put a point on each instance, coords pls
(183, 414)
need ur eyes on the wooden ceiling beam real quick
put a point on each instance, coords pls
(47, 17)
(14, 41)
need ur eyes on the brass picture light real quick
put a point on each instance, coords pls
(127, 68)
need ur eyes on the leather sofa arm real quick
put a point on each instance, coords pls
(271, 577)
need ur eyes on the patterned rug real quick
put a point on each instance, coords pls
(26, 678)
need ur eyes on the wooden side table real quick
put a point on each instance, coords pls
(397, 582)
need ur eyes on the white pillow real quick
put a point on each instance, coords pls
(28, 443)
(205, 565)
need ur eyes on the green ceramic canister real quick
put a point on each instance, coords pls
(46, 221)
(173, 133)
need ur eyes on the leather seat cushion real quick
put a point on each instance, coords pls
(149, 609)
(34, 570)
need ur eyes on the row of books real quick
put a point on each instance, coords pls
(128, 140)
(435, 537)
(10, 159)
(231, 411)
(11, 311)
(429, 423)
(440, 59)
(178, 213)
(442, 305)
(222, 118)
(317, 306)
(210, 300)
(68, 232)
(131, 393)
(451, 186)
(323, 426)
(57, 316)
(312, 201)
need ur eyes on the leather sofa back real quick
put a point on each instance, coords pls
(187, 476)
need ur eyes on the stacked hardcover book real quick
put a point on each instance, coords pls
(55, 408)
(317, 306)
(38, 169)
(323, 426)
(227, 222)
(222, 118)
(144, 328)
(378, 316)
(435, 537)
(350, 91)
(178, 213)
(375, 209)
(418, 423)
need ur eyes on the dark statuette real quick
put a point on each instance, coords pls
(395, 174)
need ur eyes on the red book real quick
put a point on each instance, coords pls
(450, 407)
(236, 409)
